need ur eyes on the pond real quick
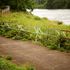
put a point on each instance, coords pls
(58, 14)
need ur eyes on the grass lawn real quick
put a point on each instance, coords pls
(30, 21)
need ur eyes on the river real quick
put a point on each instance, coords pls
(58, 14)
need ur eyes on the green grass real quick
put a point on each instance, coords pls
(8, 65)
(24, 26)
(31, 21)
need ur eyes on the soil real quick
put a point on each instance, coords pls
(40, 57)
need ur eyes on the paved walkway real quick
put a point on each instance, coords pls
(27, 52)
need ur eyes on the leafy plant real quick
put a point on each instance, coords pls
(7, 65)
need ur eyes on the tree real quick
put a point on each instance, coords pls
(40, 3)
(49, 4)
(58, 4)
(19, 4)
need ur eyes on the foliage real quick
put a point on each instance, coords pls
(37, 18)
(22, 26)
(59, 22)
(58, 4)
(53, 4)
(18, 4)
(40, 3)
(7, 65)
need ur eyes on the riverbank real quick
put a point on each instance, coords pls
(25, 26)
(31, 21)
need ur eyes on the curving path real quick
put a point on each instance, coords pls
(41, 57)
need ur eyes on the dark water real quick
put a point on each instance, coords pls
(60, 15)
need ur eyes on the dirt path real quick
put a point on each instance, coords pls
(40, 57)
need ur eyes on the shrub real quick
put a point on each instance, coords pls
(59, 22)
(37, 18)
(8, 58)
(13, 31)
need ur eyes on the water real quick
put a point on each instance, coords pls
(59, 15)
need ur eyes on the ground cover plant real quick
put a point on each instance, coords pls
(25, 26)
(5, 64)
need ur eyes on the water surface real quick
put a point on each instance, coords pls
(59, 15)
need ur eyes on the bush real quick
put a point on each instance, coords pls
(8, 58)
(59, 22)
(37, 18)
(13, 31)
